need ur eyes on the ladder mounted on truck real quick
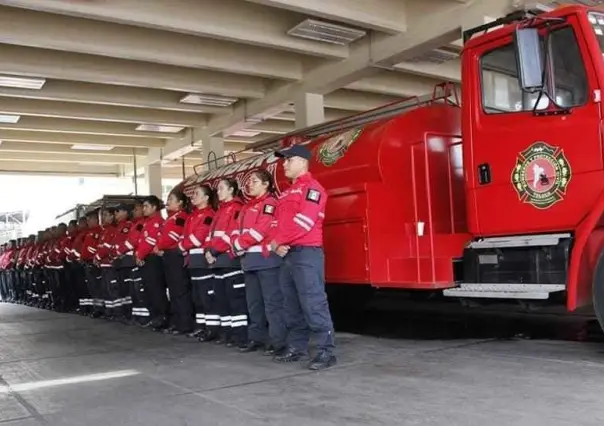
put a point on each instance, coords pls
(443, 93)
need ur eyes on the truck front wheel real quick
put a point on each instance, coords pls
(597, 290)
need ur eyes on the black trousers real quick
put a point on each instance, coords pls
(95, 287)
(154, 283)
(230, 305)
(179, 286)
(140, 305)
(203, 296)
(80, 287)
(111, 291)
(124, 278)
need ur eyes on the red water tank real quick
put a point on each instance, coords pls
(395, 216)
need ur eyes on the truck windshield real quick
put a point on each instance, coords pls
(597, 23)
(501, 87)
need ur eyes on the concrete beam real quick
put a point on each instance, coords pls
(28, 61)
(394, 83)
(28, 28)
(449, 71)
(230, 20)
(352, 100)
(62, 125)
(380, 15)
(63, 149)
(106, 94)
(80, 158)
(56, 138)
(78, 111)
(37, 168)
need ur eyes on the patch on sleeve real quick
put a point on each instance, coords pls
(180, 221)
(269, 209)
(207, 221)
(313, 195)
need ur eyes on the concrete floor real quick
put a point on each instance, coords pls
(173, 381)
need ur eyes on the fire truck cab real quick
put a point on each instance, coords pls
(533, 158)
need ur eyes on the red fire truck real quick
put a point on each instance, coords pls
(499, 197)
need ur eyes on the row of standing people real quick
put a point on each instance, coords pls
(248, 275)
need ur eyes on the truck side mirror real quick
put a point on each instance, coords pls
(528, 58)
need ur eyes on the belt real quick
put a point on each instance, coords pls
(299, 248)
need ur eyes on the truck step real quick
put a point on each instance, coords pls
(504, 291)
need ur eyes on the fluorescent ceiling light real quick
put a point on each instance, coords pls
(326, 32)
(22, 82)
(9, 118)
(209, 100)
(246, 133)
(159, 128)
(92, 147)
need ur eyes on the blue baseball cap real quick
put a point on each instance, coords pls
(294, 151)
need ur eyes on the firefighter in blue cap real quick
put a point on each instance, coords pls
(298, 239)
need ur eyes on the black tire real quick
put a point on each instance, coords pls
(597, 290)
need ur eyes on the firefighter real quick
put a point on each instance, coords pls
(179, 286)
(71, 290)
(123, 265)
(79, 268)
(150, 265)
(109, 287)
(298, 238)
(134, 289)
(57, 269)
(261, 268)
(228, 285)
(93, 272)
(192, 245)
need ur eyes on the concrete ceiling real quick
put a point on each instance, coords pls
(108, 66)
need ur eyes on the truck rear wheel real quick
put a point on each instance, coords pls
(598, 290)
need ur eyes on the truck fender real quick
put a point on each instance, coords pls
(585, 252)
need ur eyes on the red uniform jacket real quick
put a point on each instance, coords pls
(172, 231)
(90, 243)
(197, 229)
(152, 230)
(255, 223)
(300, 214)
(119, 239)
(105, 245)
(129, 244)
(224, 225)
(77, 244)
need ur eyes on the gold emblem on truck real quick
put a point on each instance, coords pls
(541, 175)
(336, 146)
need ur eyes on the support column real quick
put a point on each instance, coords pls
(213, 144)
(153, 179)
(309, 110)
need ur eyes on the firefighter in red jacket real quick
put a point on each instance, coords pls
(130, 271)
(193, 245)
(228, 285)
(298, 238)
(79, 274)
(93, 272)
(122, 266)
(179, 286)
(108, 289)
(261, 267)
(150, 264)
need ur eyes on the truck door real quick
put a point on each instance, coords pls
(531, 173)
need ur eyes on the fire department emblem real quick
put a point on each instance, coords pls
(335, 147)
(541, 175)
